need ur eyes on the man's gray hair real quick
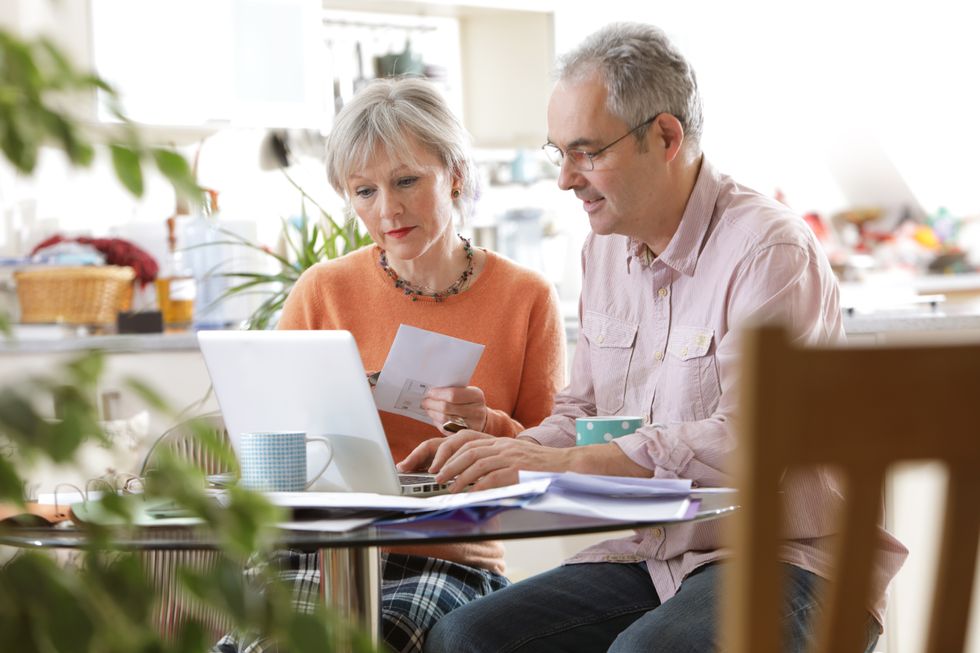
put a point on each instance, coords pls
(395, 114)
(644, 75)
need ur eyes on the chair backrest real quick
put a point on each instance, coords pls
(182, 440)
(859, 410)
(175, 607)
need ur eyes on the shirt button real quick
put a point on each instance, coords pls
(601, 339)
(659, 355)
(662, 292)
(684, 351)
(658, 532)
(695, 484)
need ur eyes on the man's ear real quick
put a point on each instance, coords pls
(670, 133)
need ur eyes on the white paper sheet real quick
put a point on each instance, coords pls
(367, 500)
(611, 486)
(326, 525)
(419, 360)
(628, 510)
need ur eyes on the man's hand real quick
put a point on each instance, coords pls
(463, 405)
(494, 462)
(431, 454)
(485, 461)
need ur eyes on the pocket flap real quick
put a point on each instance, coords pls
(607, 331)
(690, 342)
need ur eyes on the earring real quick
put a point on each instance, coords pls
(456, 193)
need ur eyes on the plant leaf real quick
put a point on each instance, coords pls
(126, 163)
(176, 169)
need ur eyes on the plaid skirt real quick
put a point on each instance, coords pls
(415, 592)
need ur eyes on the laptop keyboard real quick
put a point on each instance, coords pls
(421, 484)
(414, 479)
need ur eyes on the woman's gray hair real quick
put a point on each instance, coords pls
(396, 113)
(644, 75)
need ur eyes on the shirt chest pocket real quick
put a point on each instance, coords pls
(611, 343)
(691, 375)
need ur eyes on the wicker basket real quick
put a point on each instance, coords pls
(74, 295)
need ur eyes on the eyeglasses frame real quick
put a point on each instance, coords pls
(590, 156)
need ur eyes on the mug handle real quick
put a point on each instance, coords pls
(326, 443)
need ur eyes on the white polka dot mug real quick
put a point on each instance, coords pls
(599, 430)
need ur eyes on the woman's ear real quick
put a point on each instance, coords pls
(456, 175)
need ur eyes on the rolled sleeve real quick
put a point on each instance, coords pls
(656, 448)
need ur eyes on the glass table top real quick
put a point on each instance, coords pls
(513, 523)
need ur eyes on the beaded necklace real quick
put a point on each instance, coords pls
(420, 291)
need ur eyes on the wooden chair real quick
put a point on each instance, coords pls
(859, 410)
(175, 608)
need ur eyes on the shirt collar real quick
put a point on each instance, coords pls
(684, 248)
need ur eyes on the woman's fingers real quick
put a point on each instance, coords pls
(465, 406)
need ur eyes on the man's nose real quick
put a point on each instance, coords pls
(569, 176)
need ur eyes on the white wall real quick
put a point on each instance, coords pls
(799, 96)
(836, 103)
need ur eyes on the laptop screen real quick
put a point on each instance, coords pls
(310, 381)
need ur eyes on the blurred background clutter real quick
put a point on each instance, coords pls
(247, 89)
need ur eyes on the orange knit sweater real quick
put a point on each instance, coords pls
(509, 309)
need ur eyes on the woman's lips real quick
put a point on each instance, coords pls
(399, 233)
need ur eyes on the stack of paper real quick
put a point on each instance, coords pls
(613, 497)
(605, 497)
(333, 505)
(611, 486)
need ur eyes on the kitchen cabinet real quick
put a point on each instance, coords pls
(250, 63)
(495, 64)
(186, 68)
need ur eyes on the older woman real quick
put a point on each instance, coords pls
(400, 158)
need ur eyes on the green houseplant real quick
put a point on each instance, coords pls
(307, 241)
(104, 603)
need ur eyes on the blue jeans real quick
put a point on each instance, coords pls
(611, 607)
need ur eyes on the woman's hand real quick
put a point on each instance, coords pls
(465, 406)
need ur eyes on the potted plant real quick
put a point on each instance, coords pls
(104, 604)
(306, 240)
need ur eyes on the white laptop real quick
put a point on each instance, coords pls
(310, 381)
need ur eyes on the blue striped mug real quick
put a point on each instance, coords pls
(275, 461)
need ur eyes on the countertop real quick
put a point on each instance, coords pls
(65, 340)
(954, 317)
(927, 303)
(868, 309)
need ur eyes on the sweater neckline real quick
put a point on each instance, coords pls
(379, 274)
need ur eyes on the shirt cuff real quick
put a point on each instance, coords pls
(550, 437)
(654, 447)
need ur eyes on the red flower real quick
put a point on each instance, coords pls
(117, 251)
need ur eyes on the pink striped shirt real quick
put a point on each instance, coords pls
(659, 339)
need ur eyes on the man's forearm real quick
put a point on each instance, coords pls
(607, 459)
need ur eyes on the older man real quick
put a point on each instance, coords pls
(680, 256)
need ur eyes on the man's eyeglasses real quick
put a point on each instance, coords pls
(580, 159)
